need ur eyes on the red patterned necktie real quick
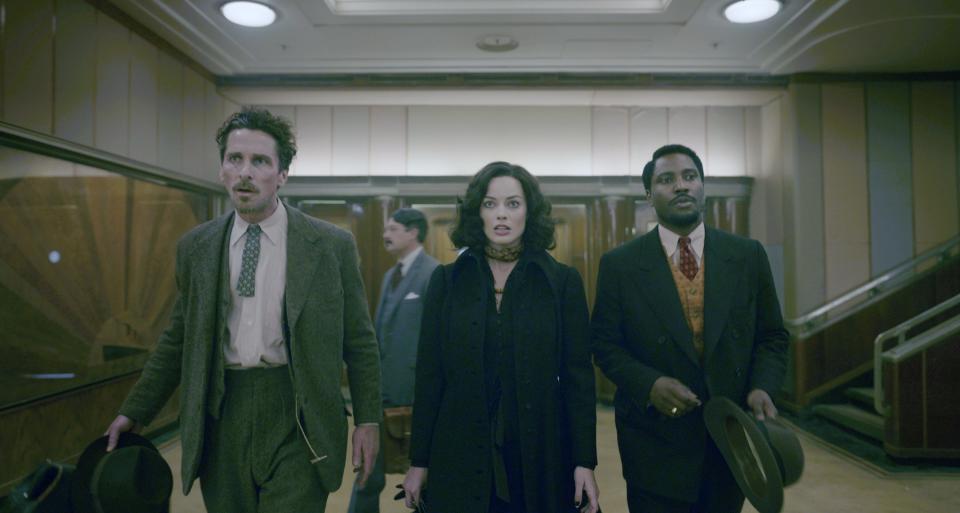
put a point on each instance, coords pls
(688, 262)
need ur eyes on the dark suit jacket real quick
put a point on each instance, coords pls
(398, 328)
(639, 333)
(327, 322)
(555, 385)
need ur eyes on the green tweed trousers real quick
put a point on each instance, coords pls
(254, 458)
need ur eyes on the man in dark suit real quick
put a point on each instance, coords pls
(269, 306)
(398, 329)
(682, 314)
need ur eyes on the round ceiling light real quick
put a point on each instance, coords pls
(751, 11)
(249, 14)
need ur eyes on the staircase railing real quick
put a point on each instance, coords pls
(872, 291)
(904, 349)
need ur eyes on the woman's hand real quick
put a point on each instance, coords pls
(414, 482)
(585, 484)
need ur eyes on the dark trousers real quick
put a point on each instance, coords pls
(719, 492)
(254, 459)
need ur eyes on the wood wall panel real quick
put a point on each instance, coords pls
(192, 132)
(351, 140)
(688, 126)
(845, 188)
(726, 142)
(314, 140)
(28, 64)
(610, 141)
(74, 77)
(212, 119)
(934, 159)
(169, 112)
(112, 114)
(388, 140)
(143, 100)
(648, 131)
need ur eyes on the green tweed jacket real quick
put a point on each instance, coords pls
(328, 324)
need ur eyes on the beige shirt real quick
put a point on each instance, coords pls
(671, 243)
(256, 323)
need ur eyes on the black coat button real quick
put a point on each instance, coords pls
(661, 339)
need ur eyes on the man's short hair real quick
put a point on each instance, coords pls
(253, 118)
(669, 149)
(412, 218)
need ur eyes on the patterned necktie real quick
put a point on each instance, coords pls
(248, 269)
(688, 262)
(397, 275)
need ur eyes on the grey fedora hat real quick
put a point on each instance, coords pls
(763, 456)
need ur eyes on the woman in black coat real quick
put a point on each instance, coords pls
(504, 416)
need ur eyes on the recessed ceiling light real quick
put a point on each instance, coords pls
(497, 43)
(751, 11)
(249, 14)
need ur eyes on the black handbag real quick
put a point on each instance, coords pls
(45, 490)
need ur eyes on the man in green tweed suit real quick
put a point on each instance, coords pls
(270, 304)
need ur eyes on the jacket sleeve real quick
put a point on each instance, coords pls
(608, 340)
(430, 383)
(577, 379)
(360, 349)
(161, 373)
(771, 340)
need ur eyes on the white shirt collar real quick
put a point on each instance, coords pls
(671, 240)
(407, 261)
(272, 226)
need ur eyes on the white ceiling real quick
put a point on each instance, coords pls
(577, 36)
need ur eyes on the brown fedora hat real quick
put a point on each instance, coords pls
(763, 456)
(133, 477)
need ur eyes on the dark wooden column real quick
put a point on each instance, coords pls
(612, 222)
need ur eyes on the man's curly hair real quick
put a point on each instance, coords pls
(275, 126)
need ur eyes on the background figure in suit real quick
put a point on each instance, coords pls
(682, 314)
(269, 306)
(398, 329)
(504, 415)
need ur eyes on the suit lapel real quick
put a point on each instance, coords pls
(303, 261)
(723, 270)
(655, 281)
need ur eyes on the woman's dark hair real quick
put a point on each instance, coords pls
(468, 230)
(275, 126)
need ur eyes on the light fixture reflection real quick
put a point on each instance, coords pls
(751, 11)
(249, 14)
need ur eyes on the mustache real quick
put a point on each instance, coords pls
(683, 197)
(246, 185)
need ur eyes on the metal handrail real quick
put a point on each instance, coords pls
(815, 319)
(899, 332)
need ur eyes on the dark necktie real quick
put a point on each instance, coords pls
(248, 269)
(688, 262)
(397, 275)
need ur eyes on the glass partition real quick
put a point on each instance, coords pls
(86, 271)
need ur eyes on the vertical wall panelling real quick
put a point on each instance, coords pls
(889, 171)
(314, 140)
(648, 131)
(388, 140)
(803, 246)
(726, 141)
(143, 100)
(351, 140)
(169, 112)
(212, 119)
(610, 141)
(111, 120)
(845, 199)
(74, 78)
(688, 126)
(28, 64)
(934, 163)
(193, 117)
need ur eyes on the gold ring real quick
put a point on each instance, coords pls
(673, 411)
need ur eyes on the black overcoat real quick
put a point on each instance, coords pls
(555, 385)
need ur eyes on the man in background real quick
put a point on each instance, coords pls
(398, 329)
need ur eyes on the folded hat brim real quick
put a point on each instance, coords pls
(80, 493)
